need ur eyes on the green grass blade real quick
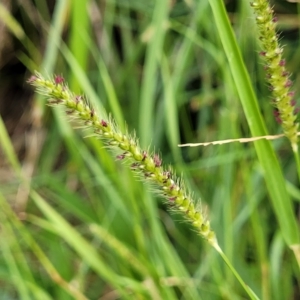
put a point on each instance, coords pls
(10, 252)
(80, 28)
(82, 247)
(273, 175)
(154, 51)
(54, 36)
(36, 250)
(8, 148)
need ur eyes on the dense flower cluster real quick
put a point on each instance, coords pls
(147, 165)
(277, 76)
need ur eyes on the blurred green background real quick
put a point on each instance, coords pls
(95, 232)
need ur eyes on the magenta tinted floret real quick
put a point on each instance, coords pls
(32, 79)
(288, 83)
(78, 99)
(282, 63)
(121, 156)
(103, 123)
(145, 155)
(59, 79)
(172, 198)
(296, 110)
(157, 160)
(134, 166)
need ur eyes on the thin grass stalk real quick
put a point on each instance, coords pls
(8, 149)
(80, 27)
(85, 250)
(236, 274)
(9, 216)
(13, 221)
(153, 54)
(148, 166)
(10, 251)
(275, 182)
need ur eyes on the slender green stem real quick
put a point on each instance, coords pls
(236, 274)
(154, 50)
(297, 159)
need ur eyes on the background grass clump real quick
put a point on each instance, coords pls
(75, 222)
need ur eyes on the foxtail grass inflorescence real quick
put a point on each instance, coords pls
(147, 165)
(277, 75)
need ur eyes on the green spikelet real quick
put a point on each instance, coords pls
(148, 166)
(277, 75)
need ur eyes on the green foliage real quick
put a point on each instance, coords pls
(77, 224)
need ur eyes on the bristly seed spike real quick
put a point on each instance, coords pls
(145, 165)
(277, 75)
